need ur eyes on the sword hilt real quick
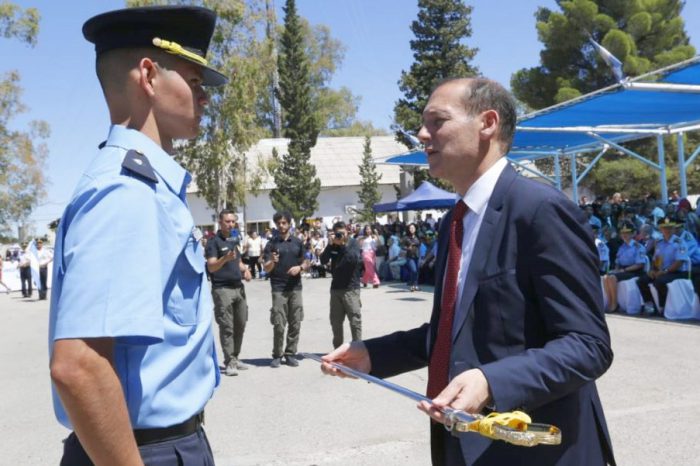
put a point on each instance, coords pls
(513, 427)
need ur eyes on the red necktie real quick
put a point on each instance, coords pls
(439, 368)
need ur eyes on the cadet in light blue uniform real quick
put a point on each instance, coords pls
(603, 250)
(670, 262)
(629, 263)
(132, 352)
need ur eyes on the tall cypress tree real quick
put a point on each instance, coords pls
(439, 53)
(369, 184)
(297, 186)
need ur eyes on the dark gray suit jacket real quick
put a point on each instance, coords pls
(531, 318)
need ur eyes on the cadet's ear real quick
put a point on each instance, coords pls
(148, 72)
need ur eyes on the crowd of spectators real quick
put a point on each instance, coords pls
(654, 241)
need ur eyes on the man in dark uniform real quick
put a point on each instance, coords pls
(133, 361)
(345, 256)
(284, 261)
(227, 272)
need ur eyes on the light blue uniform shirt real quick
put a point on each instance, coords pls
(630, 254)
(128, 265)
(691, 245)
(670, 252)
(603, 254)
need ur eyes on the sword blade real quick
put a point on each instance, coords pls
(458, 421)
(456, 415)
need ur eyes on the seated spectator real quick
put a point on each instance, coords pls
(629, 263)
(603, 251)
(669, 263)
(686, 215)
(396, 260)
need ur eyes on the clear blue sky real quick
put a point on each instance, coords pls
(60, 85)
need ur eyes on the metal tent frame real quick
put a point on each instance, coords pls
(664, 102)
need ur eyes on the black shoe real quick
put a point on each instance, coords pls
(291, 360)
(276, 362)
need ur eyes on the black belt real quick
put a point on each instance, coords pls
(148, 436)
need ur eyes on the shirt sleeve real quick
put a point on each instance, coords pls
(111, 266)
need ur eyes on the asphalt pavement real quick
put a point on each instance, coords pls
(299, 417)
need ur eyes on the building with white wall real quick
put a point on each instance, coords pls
(337, 161)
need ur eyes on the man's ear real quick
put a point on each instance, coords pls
(148, 73)
(489, 124)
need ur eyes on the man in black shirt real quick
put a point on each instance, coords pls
(227, 273)
(346, 267)
(284, 261)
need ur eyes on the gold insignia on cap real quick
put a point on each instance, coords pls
(177, 49)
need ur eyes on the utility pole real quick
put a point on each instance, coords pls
(272, 38)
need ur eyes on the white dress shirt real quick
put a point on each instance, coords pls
(476, 198)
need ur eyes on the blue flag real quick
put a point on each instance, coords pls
(611, 60)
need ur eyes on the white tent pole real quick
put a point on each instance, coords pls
(627, 151)
(663, 87)
(574, 180)
(598, 129)
(533, 171)
(592, 164)
(691, 159)
(662, 168)
(682, 167)
(557, 171)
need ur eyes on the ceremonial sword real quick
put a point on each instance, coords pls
(513, 427)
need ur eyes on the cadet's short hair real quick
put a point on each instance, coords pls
(282, 215)
(339, 225)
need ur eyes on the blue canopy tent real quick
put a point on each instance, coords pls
(630, 110)
(427, 196)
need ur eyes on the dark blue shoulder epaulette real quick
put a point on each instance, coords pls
(138, 164)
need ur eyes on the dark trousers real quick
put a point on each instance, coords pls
(445, 449)
(191, 450)
(254, 263)
(660, 283)
(25, 274)
(43, 272)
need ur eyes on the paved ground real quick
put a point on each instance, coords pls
(297, 417)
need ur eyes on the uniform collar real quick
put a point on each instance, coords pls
(176, 177)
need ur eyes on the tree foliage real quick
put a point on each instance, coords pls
(369, 184)
(296, 185)
(643, 34)
(22, 152)
(19, 23)
(439, 52)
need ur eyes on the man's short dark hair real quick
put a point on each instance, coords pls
(485, 94)
(282, 215)
(339, 225)
(226, 212)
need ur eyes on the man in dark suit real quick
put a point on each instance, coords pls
(517, 319)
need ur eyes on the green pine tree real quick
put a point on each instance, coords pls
(297, 186)
(643, 35)
(369, 184)
(439, 52)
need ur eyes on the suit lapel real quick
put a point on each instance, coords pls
(482, 248)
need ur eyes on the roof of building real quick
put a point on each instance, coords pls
(337, 159)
